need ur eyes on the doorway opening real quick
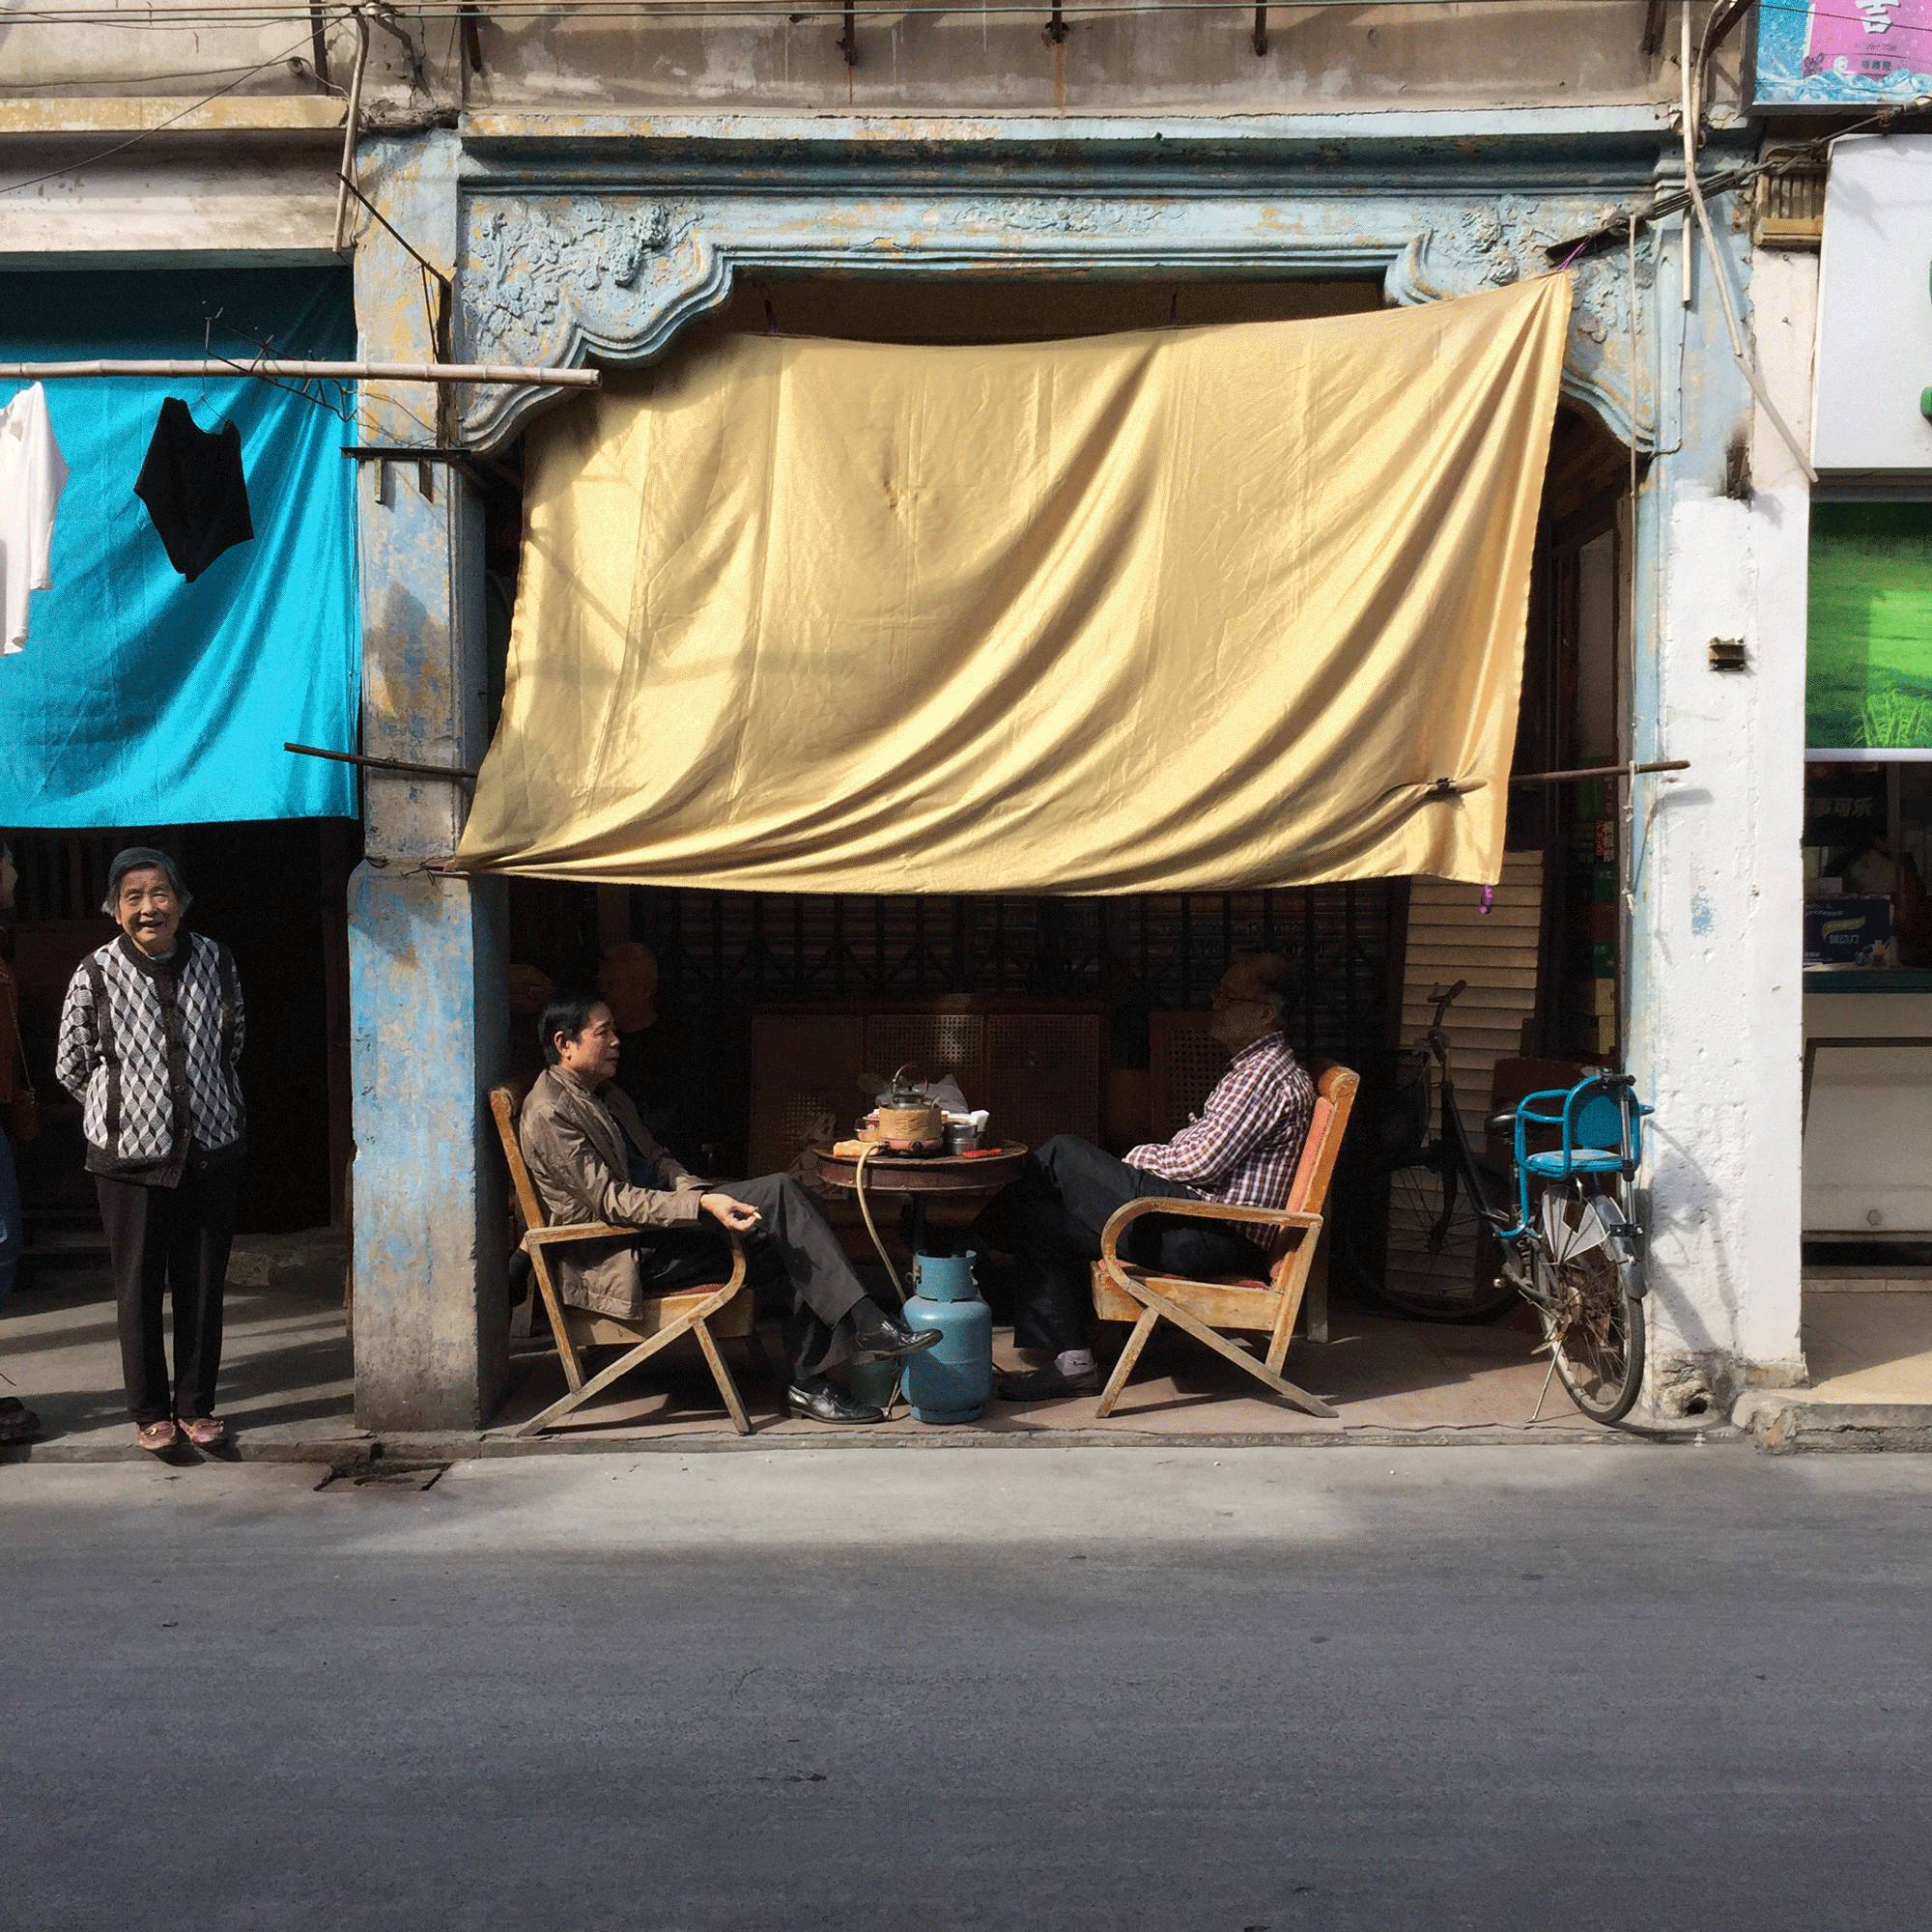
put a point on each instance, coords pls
(765, 999)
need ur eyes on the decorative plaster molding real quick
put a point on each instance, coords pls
(536, 280)
(556, 278)
(1493, 243)
(552, 283)
(1071, 214)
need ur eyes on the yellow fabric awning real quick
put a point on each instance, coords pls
(1182, 609)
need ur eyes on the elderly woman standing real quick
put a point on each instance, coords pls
(149, 1039)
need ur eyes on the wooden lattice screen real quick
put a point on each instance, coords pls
(722, 955)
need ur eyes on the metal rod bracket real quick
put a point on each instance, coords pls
(401, 767)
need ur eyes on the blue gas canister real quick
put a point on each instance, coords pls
(951, 1381)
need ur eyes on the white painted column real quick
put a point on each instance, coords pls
(1717, 916)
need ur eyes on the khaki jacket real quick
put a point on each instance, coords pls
(574, 1145)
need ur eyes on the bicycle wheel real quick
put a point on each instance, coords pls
(1591, 1307)
(1438, 1260)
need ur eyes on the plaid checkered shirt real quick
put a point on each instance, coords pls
(1244, 1145)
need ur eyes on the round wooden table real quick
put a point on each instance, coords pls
(920, 1179)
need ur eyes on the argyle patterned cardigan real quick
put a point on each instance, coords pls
(149, 1048)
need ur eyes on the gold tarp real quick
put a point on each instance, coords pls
(1196, 609)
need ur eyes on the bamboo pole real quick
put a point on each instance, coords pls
(340, 372)
(1601, 772)
(352, 126)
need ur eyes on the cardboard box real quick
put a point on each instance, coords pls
(1845, 932)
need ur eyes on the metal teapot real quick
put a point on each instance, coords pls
(906, 1120)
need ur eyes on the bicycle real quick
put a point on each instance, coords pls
(1574, 1252)
(1434, 1267)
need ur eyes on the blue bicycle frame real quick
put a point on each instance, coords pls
(1601, 1120)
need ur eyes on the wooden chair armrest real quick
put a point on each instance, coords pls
(1119, 1219)
(576, 1231)
(604, 1231)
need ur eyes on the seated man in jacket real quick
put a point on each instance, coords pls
(1243, 1149)
(591, 1158)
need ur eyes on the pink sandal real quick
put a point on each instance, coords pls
(205, 1431)
(156, 1438)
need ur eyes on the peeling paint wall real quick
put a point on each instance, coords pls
(1784, 304)
(1519, 52)
(1715, 981)
(427, 955)
(427, 1020)
(1478, 54)
(1713, 909)
(151, 208)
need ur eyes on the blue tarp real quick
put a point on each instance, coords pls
(141, 699)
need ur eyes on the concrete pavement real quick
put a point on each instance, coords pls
(1081, 1688)
(287, 1384)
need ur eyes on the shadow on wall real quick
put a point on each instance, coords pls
(1696, 1293)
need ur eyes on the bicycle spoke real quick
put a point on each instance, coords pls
(1438, 1260)
(1590, 1334)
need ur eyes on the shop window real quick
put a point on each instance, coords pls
(1868, 734)
(1869, 674)
(1867, 857)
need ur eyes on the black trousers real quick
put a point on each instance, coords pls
(1050, 1220)
(170, 1241)
(794, 1259)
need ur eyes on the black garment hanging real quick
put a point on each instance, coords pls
(192, 484)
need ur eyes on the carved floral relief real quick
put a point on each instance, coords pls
(1490, 244)
(547, 279)
(531, 277)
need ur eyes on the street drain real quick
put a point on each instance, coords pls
(382, 1478)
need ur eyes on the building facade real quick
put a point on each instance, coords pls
(557, 186)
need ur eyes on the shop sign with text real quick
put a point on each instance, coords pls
(1840, 53)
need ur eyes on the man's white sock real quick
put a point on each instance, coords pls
(1076, 1361)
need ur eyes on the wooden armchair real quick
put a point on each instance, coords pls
(1126, 1292)
(711, 1313)
(1184, 1065)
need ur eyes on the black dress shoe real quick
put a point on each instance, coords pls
(878, 1335)
(1044, 1384)
(820, 1402)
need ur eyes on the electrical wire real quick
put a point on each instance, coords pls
(350, 115)
(1628, 853)
(142, 79)
(892, 1273)
(1718, 25)
(1745, 358)
(1773, 160)
(145, 133)
(163, 17)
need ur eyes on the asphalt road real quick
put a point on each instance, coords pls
(929, 1688)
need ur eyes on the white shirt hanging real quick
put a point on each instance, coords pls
(32, 476)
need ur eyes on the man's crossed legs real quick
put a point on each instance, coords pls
(794, 1259)
(1050, 1219)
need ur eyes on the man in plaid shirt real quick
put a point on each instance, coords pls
(1242, 1148)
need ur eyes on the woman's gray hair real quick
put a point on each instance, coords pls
(140, 859)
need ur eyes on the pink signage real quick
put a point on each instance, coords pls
(1869, 38)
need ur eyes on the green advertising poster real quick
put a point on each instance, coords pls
(1869, 674)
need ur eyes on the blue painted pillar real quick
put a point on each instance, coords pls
(426, 953)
